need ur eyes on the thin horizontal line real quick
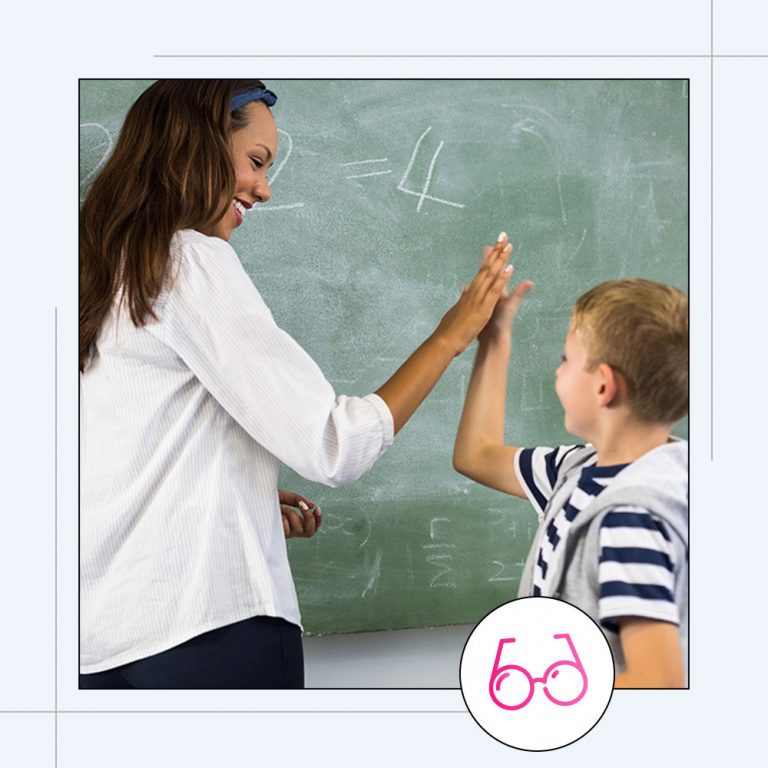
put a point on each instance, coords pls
(461, 56)
(248, 712)
(363, 162)
(365, 175)
(279, 207)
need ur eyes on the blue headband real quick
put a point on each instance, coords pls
(254, 94)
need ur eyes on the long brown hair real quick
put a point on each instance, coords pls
(171, 169)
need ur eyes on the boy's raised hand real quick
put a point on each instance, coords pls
(480, 452)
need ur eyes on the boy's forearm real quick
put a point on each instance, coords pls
(482, 419)
(480, 452)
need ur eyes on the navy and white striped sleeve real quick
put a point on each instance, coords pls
(538, 469)
(636, 568)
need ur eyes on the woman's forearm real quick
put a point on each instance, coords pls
(406, 389)
(415, 379)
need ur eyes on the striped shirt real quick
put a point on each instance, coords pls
(636, 570)
(184, 423)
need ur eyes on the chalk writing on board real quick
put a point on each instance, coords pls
(534, 128)
(578, 248)
(373, 575)
(501, 571)
(369, 530)
(367, 173)
(533, 395)
(650, 207)
(404, 184)
(94, 138)
(423, 194)
(442, 559)
(497, 576)
(273, 178)
(358, 525)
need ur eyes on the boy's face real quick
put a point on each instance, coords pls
(577, 388)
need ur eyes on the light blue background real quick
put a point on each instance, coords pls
(44, 721)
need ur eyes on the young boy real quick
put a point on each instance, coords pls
(613, 534)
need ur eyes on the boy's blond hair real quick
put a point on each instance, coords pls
(639, 328)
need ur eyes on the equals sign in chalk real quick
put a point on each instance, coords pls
(367, 173)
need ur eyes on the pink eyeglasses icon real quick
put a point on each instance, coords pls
(512, 687)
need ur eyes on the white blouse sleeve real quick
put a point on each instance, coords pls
(214, 318)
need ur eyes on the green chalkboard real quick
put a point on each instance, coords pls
(383, 194)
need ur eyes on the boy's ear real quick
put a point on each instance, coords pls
(608, 385)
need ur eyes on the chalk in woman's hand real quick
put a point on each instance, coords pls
(304, 508)
(502, 237)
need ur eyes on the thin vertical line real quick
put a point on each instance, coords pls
(712, 231)
(55, 536)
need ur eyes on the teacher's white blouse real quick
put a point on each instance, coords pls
(183, 426)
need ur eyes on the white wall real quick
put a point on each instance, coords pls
(405, 658)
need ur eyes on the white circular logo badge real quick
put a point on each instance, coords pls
(537, 673)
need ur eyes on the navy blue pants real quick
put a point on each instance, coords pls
(262, 652)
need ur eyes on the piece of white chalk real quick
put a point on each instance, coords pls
(303, 506)
(501, 237)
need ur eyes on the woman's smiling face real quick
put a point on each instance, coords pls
(254, 148)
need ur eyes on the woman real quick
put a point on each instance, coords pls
(192, 397)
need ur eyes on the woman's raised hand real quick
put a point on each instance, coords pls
(404, 391)
(465, 319)
(506, 309)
